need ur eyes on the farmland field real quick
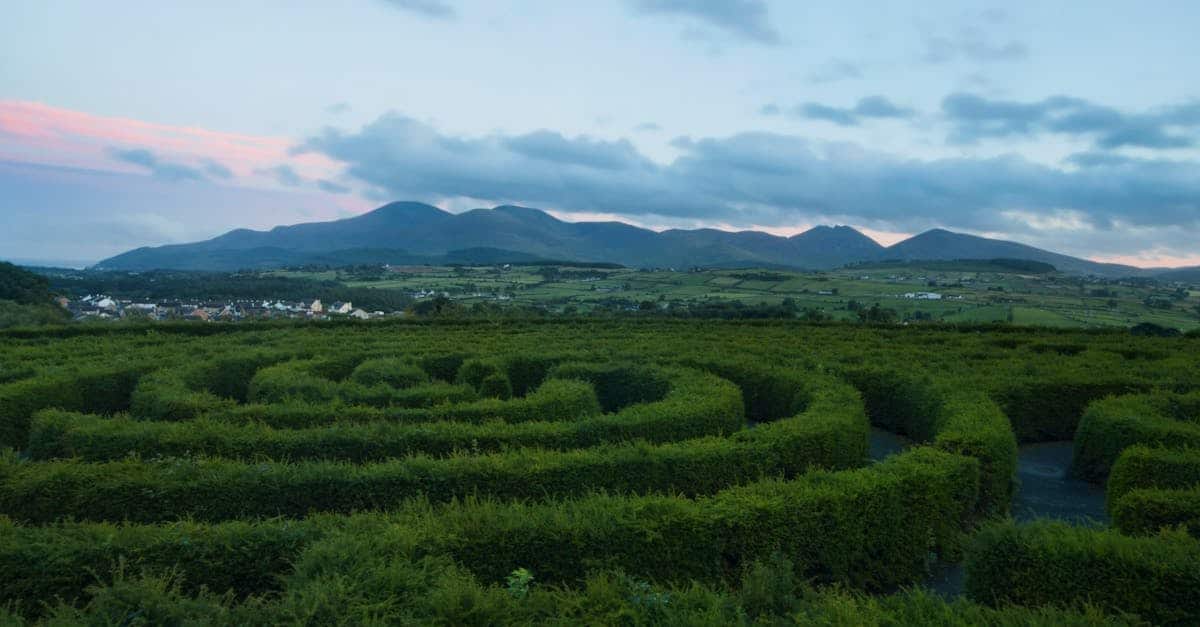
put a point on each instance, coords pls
(967, 293)
(575, 470)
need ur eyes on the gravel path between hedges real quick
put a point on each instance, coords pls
(1044, 491)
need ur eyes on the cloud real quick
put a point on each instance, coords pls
(759, 178)
(873, 107)
(160, 169)
(977, 40)
(433, 9)
(215, 169)
(747, 20)
(552, 147)
(331, 187)
(284, 174)
(51, 135)
(338, 108)
(835, 70)
(975, 117)
(939, 49)
(647, 127)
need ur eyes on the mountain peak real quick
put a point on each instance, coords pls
(406, 209)
(424, 230)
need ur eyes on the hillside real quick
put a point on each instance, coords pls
(411, 232)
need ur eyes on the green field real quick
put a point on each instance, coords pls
(579, 470)
(969, 295)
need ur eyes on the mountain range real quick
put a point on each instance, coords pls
(412, 232)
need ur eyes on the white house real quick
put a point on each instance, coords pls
(316, 306)
(341, 308)
(360, 314)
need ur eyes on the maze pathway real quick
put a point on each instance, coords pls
(1047, 492)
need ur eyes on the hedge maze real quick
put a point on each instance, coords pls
(562, 471)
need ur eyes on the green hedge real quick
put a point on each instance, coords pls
(618, 385)
(957, 421)
(1048, 408)
(101, 390)
(1056, 564)
(1142, 466)
(1111, 425)
(357, 434)
(871, 528)
(831, 433)
(40, 564)
(1146, 511)
(208, 384)
(394, 372)
(365, 589)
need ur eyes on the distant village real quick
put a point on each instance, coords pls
(101, 307)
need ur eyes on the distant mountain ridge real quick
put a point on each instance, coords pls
(409, 232)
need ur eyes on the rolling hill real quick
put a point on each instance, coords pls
(411, 232)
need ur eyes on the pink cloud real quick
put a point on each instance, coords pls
(36, 132)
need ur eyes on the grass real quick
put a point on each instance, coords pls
(970, 295)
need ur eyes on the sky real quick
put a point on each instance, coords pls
(1068, 125)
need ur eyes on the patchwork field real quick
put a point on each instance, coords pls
(968, 292)
(636, 471)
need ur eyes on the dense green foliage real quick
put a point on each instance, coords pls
(1157, 578)
(575, 471)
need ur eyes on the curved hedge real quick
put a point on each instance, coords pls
(1148, 510)
(1111, 425)
(1153, 467)
(562, 414)
(830, 433)
(953, 420)
(100, 389)
(872, 528)
(1046, 563)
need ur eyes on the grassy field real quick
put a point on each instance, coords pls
(969, 295)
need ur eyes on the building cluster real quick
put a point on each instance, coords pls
(101, 307)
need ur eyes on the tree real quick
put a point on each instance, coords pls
(22, 286)
(877, 315)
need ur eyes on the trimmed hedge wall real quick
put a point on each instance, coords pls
(1048, 408)
(1111, 425)
(1146, 511)
(963, 422)
(368, 589)
(832, 433)
(871, 528)
(100, 390)
(562, 414)
(38, 564)
(393, 372)
(1056, 564)
(1146, 467)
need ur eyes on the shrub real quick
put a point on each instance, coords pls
(474, 371)
(1146, 511)
(102, 390)
(618, 385)
(963, 422)
(396, 373)
(1146, 467)
(289, 382)
(1046, 563)
(496, 386)
(1111, 425)
(1049, 408)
